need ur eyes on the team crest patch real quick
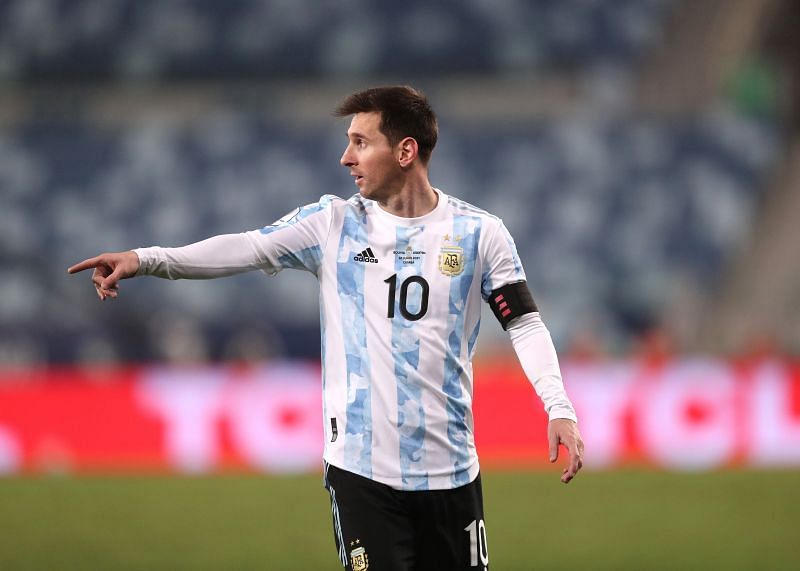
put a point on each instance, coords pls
(359, 560)
(451, 260)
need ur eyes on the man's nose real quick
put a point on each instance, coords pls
(347, 159)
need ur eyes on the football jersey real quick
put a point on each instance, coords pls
(400, 307)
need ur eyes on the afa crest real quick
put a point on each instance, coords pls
(451, 260)
(359, 560)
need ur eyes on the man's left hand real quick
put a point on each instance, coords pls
(565, 431)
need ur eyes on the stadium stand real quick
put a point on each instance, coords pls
(616, 213)
(63, 39)
(607, 211)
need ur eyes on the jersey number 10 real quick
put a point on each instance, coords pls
(423, 306)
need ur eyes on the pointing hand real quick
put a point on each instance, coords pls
(109, 269)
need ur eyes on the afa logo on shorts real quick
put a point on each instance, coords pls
(358, 558)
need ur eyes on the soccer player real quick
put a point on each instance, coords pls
(403, 269)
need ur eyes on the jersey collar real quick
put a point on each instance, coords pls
(436, 214)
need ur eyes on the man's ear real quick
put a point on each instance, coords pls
(407, 151)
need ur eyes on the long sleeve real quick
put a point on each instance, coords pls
(215, 257)
(537, 355)
(295, 241)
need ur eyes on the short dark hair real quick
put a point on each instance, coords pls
(405, 112)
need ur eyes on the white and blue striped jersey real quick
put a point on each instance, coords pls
(400, 307)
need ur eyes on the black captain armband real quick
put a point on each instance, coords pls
(510, 301)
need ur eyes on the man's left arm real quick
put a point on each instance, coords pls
(537, 355)
(505, 288)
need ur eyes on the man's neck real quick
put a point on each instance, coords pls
(414, 199)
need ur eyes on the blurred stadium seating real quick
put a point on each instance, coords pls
(127, 123)
(64, 39)
(607, 212)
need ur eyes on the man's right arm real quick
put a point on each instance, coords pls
(215, 257)
(294, 241)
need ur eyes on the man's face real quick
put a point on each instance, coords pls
(370, 158)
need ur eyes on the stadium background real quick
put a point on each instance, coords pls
(643, 153)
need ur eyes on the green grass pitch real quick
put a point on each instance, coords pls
(616, 520)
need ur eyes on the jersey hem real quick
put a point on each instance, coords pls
(444, 482)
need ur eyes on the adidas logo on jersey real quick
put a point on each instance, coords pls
(366, 256)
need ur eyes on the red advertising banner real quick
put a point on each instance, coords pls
(687, 414)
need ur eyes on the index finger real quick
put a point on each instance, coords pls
(85, 265)
(574, 458)
(575, 462)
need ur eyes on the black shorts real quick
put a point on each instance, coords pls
(379, 528)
